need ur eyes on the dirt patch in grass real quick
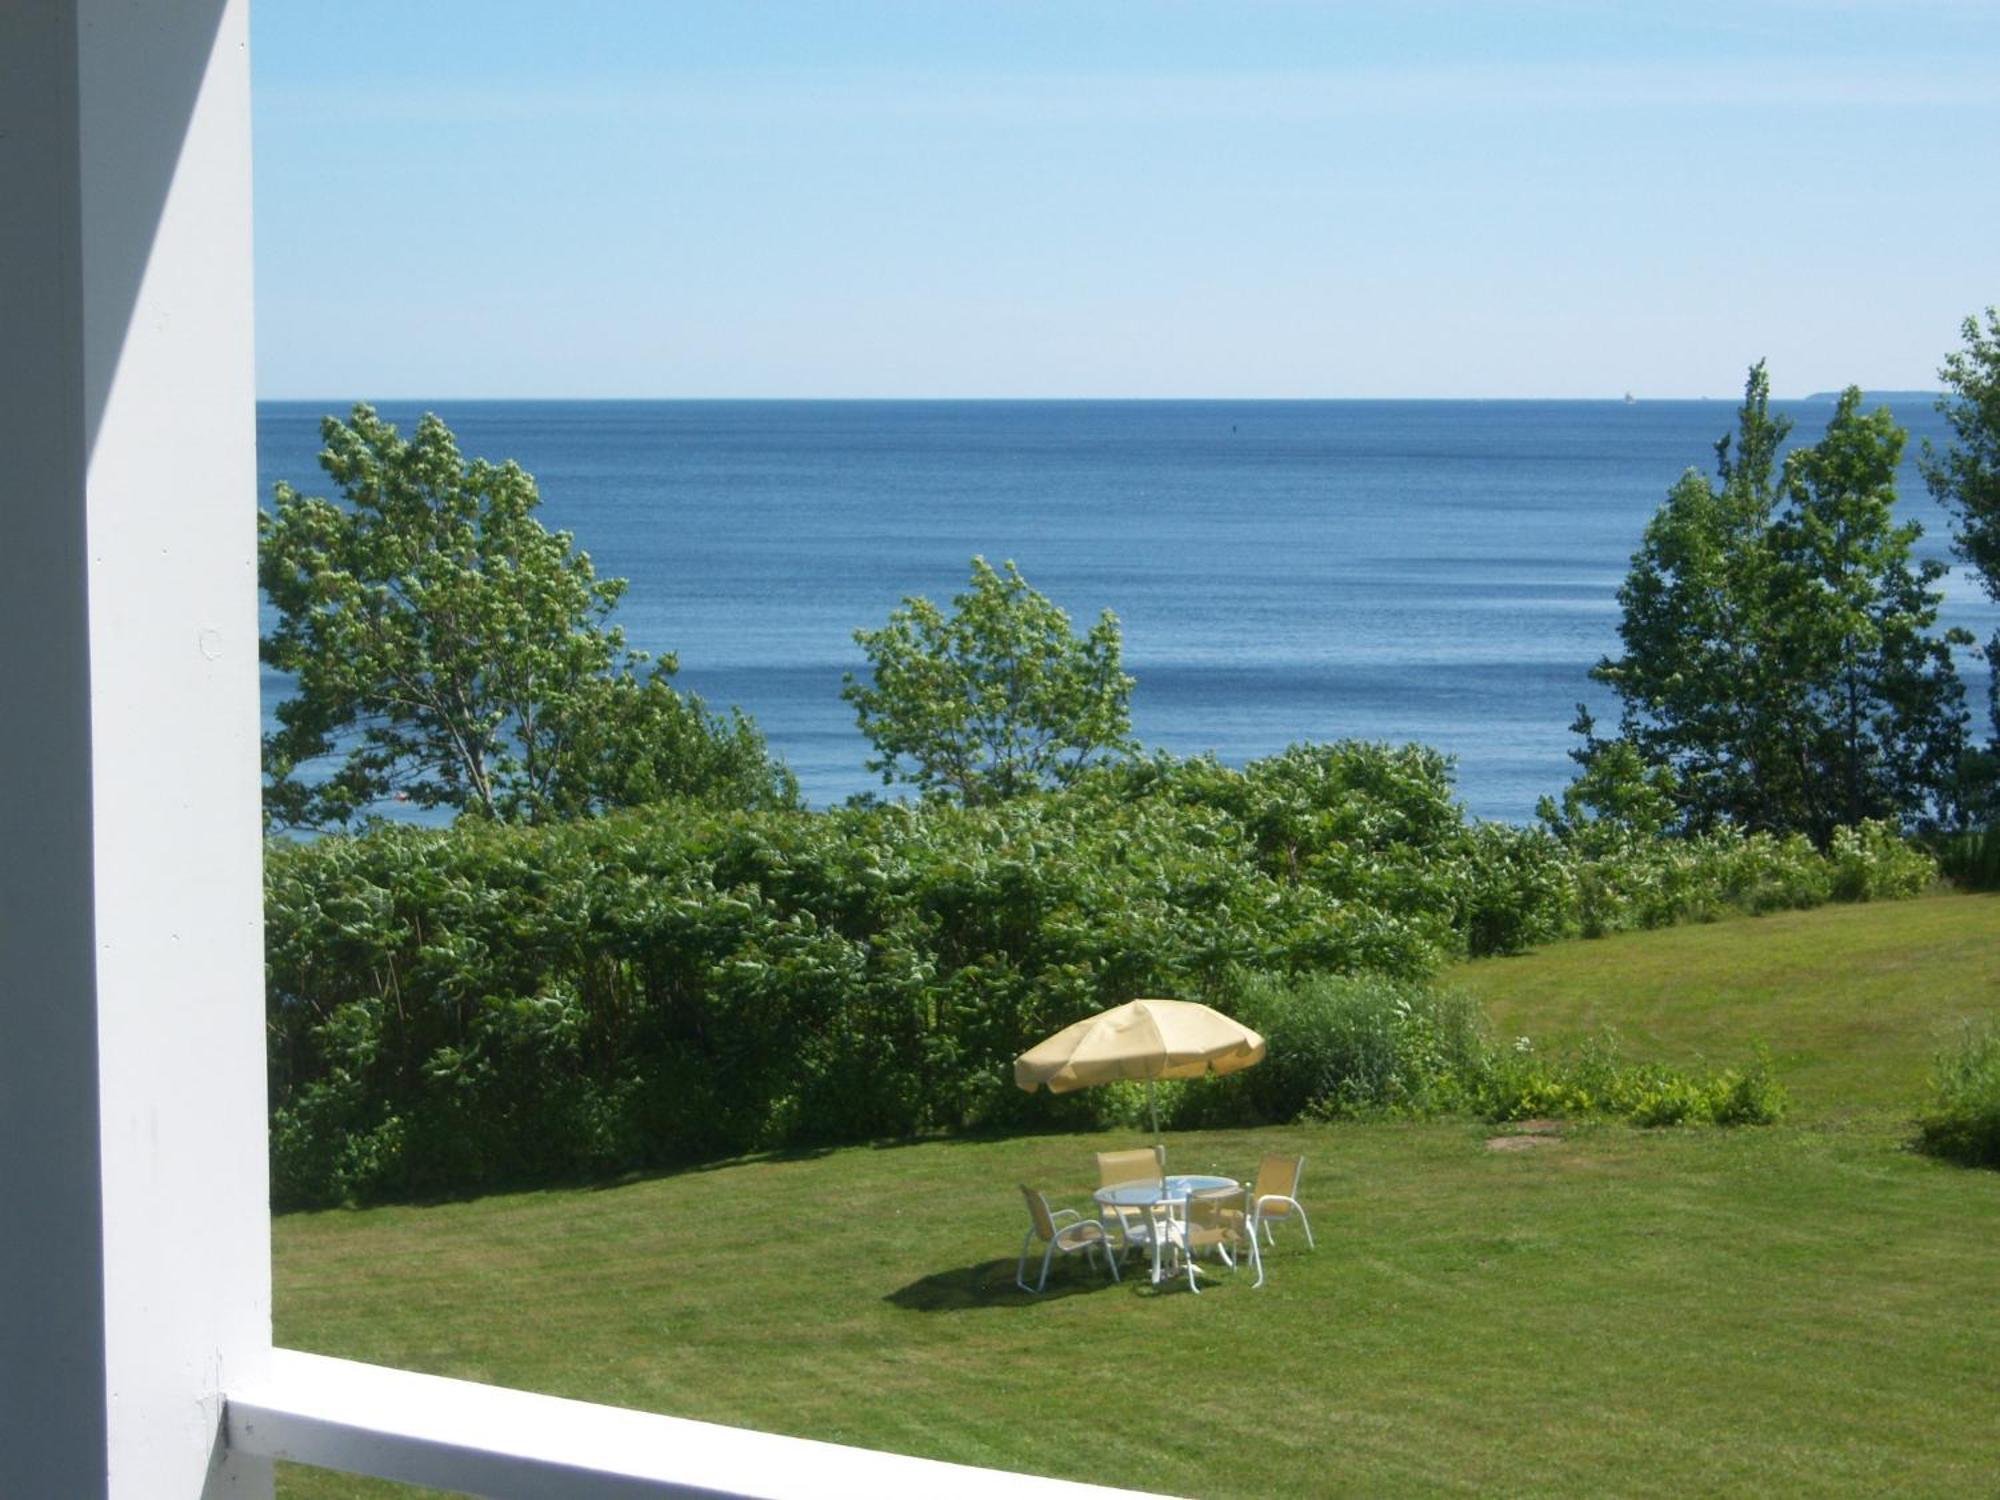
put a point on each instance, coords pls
(1526, 1135)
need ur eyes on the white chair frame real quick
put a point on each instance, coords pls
(1136, 1227)
(1175, 1231)
(1135, 1224)
(1066, 1227)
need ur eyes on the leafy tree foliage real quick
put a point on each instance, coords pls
(998, 698)
(452, 652)
(1883, 718)
(1780, 657)
(1617, 797)
(1965, 478)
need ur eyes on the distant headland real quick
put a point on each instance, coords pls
(1868, 395)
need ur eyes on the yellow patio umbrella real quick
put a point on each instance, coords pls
(1149, 1039)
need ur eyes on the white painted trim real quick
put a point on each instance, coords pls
(515, 1445)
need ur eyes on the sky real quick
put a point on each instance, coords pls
(634, 198)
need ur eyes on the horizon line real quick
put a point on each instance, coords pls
(1621, 399)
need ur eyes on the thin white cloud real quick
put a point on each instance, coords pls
(1300, 95)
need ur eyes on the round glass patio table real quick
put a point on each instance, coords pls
(1145, 1194)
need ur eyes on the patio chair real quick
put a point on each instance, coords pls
(1118, 1168)
(1211, 1220)
(1274, 1198)
(1064, 1229)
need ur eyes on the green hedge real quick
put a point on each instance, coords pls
(1377, 823)
(454, 1010)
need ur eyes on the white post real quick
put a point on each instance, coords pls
(134, 1238)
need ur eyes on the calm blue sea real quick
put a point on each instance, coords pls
(1439, 571)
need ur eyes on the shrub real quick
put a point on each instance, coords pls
(1517, 888)
(1748, 1096)
(1355, 1046)
(1871, 863)
(1962, 1121)
(1376, 824)
(1663, 882)
(1358, 823)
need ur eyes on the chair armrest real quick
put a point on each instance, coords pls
(1058, 1215)
(1077, 1224)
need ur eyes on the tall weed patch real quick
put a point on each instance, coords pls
(1345, 1047)
(1962, 1120)
(1593, 1080)
(1361, 1047)
(1971, 860)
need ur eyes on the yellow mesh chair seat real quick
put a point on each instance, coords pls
(1062, 1229)
(1274, 1197)
(1143, 1165)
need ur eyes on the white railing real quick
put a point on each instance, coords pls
(516, 1445)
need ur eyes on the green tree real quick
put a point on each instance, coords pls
(1880, 730)
(1618, 798)
(1780, 656)
(450, 651)
(1695, 683)
(1965, 478)
(998, 698)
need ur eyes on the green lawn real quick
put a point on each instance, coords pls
(1852, 1000)
(1805, 1309)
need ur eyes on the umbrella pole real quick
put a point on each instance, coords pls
(1153, 1108)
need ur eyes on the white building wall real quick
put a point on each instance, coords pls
(51, 1317)
(131, 1073)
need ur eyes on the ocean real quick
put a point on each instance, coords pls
(1438, 571)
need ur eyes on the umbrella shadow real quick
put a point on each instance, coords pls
(990, 1283)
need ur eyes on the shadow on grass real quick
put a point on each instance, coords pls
(783, 1154)
(990, 1283)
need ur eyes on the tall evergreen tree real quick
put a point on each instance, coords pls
(1881, 727)
(1780, 648)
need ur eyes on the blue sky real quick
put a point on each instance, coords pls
(634, 198)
